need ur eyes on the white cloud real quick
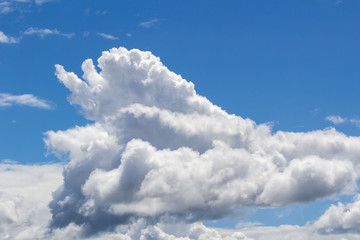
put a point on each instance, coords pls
(336, 119)
(339, 120)
(7, 39)
(25, 99)
(149, 24)
(25, 191)
(340, 219)
(293, 232)
(140, 230)
(107, 36)
(42, 32)
(157, 149)
(25, 215)
(159, 158)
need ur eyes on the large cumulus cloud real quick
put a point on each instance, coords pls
(157, 149)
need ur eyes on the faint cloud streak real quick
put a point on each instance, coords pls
(107, 36)
(149, 24)
(42, 32)
(25, 100)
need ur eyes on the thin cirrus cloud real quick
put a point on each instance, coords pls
(149, 24)
(42, 32)
(12, 5)
(158, 150)
(107, 36)
(5, 7)
(39, 2)
(30, 100)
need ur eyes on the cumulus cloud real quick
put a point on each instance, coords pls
(340, 218)
(149, 24)
(25, 100)
(285, 232)
(336, 119)
(158, 149)
(170, 231)
(25, 191)
(43, 32)
(107, 36)
(6, 39)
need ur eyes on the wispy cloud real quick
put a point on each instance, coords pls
(89, 11)
(104, 12)
(7, 39)
(336, 119)
(38, 2)
(11, 5)
(339, 2)
(5, 7)
(25, 100)
(149, 24)
(355, 122)
(107, 36)
(247, 224)
(42, 32)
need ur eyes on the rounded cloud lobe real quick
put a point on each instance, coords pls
(157, 149)
(25, 191)
(340, 219)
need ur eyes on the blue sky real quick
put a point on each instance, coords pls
(293, 65)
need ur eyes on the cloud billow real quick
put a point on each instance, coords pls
(158, 149)
(340, 219)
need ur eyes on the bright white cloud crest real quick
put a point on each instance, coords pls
(157, 149)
